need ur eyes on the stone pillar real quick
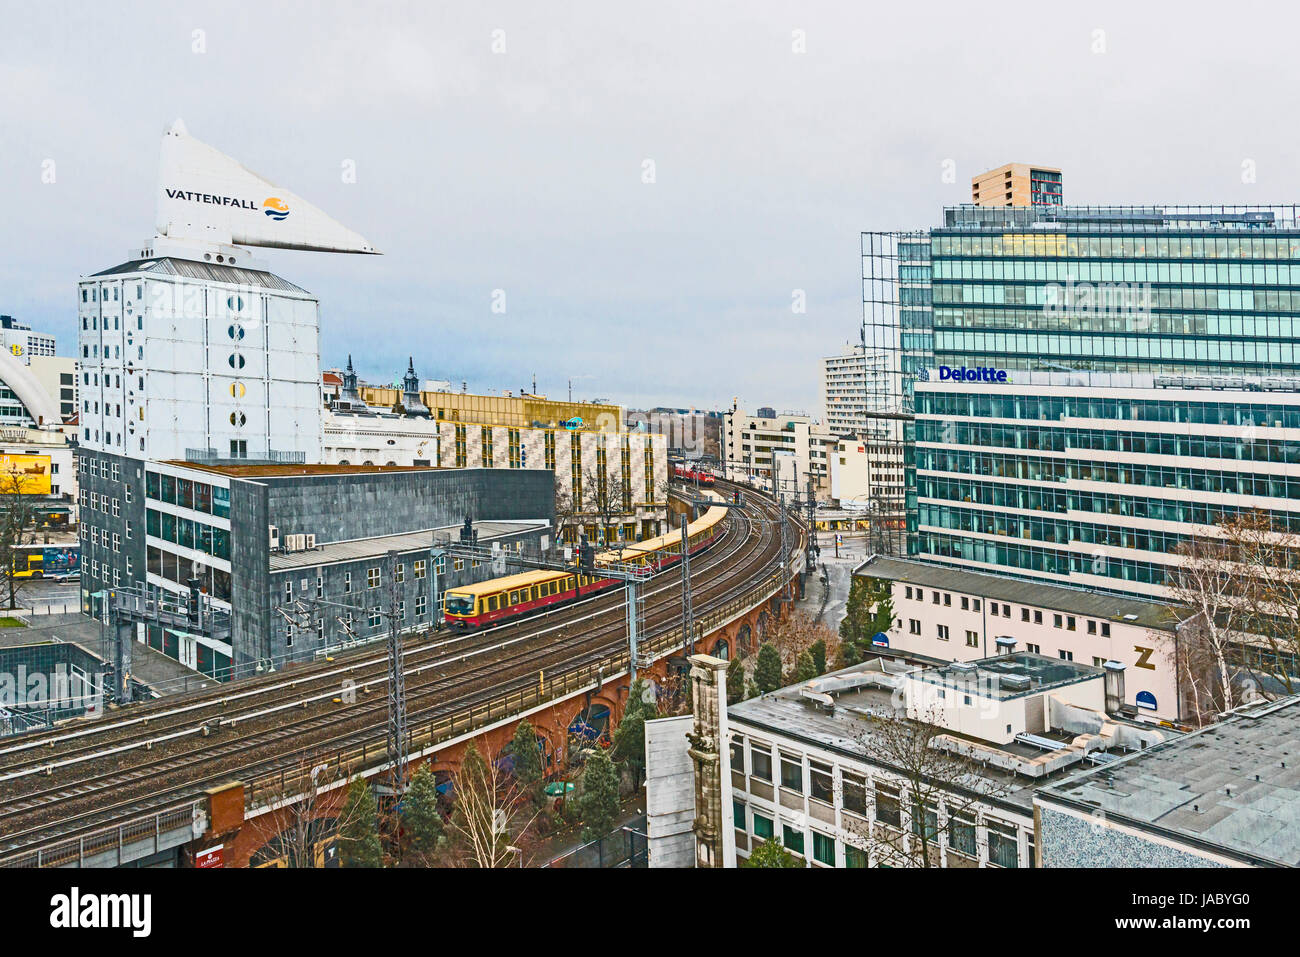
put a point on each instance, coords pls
(715, 840)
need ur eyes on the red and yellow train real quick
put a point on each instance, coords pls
(486, 603)
(687, 474)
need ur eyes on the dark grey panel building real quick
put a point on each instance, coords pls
(293, 558)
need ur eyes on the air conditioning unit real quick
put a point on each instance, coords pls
(296, 543)
(311, 541)
(275, 536)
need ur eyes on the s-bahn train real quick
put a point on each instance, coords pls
(474, 606)
(687, 474)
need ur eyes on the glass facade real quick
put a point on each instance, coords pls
(1072, 483)
(1084, 479)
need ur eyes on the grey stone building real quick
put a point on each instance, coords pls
(294, 558)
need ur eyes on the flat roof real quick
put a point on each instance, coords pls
(193, 269)
(422, 540)
(996, 677)
(255, 470)
(1232, 787)
(1072, 600)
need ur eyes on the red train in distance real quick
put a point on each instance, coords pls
(687, 474)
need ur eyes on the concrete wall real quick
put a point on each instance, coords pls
(1069, 840)
(670, 792)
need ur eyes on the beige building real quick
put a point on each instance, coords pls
(632, 496)
(1017, 184)
(58, 376)
(520, 411)
(788, 449)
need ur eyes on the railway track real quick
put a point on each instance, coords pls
(58, 785)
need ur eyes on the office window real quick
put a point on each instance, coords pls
(972, 639)
(347, 582)
(762, 826)
(1038, 618)
(823, 849)
(854, 790)
(947, 600)
(1033, 649)
(1024, 614)
(1092, 627)
(738, 813)
(1056, 621)
(792, 773)
(961, 834)
(855, 857)
(888, 809)
(1066, 655)
(965, 603)
(975, 604)
(1003, 849)
(792, 839)
(760, 764)
(372, 577)
(1105, 629)
(943, 632)
(419, 566)
(738, 755)
(821, 782)
(1070, 623)
(913, 626)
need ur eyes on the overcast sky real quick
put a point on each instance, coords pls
(523, 170)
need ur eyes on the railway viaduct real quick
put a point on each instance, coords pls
(237, 821)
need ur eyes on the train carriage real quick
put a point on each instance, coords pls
(488, 602)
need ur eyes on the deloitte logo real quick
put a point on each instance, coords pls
(979, 374)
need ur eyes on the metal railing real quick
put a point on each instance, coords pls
(554, 687)
(77, 850)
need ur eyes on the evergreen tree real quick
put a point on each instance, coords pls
(818, 652)
(767, 671)
(870, 609)
(805, 669)
(629, 736)
(735, 681)
(421, 817)
(751, 689)
(528, 760)
(599, 803)
(359, 834)
(771, 854)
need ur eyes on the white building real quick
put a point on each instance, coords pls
(754, 447)
(21, 342)
(192, 348)
(851, 385)
(958, 615)
(812, 767)
(184, 358)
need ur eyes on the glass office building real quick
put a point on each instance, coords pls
(1151, 361)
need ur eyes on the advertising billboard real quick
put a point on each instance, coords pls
(26, 474)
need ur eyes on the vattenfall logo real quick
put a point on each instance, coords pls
(272, 206)
(276, 208)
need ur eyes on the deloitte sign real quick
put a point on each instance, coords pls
(979, 374)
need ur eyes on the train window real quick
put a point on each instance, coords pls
(537, 592)
(514, 598)
(568, 583)
(492, 603)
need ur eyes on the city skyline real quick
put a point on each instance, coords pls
(522, 170)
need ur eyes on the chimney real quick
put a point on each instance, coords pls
(1114, 686)
(1005, 644)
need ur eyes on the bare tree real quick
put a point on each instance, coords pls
(1209, 604)
(567, 513)
(933, 788)
(16, 489)
(492, 821)
(795, 633)
(309, 810)
(1268, 561)
(607, 499)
